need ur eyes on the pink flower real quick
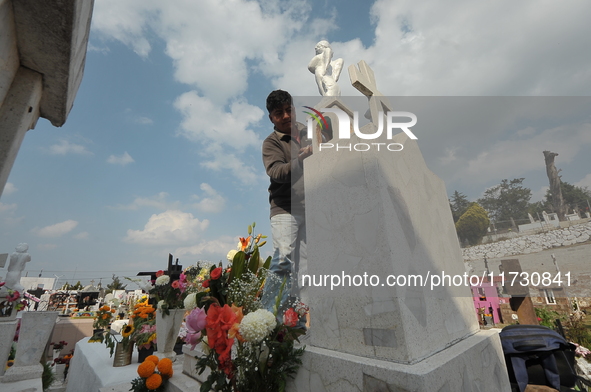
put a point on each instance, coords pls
(195, 322)
(175, 284)
(2, 284)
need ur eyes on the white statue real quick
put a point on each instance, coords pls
(326, 72)
(18, 260)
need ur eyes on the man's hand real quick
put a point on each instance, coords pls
(304, 153)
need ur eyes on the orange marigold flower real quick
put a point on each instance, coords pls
(153, 358)
(165, 367)
(105, 316)
(146, 369)
(154, 381)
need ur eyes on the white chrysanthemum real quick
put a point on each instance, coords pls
(257, 325)
(162, 280)
(231, 255)
(190, 301)
(160, 304)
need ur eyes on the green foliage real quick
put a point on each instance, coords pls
(509, 199)
(47, 377)
(574, 196)
(67, 286)
(547, 317)
(576, 330)
(115, 285)
(459, 203)
(473, 224)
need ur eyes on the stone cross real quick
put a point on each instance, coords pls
(363, 79)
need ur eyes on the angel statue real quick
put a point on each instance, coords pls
(326, 72)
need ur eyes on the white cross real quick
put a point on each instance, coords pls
(364, 80)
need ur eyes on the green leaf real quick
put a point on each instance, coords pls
(237, 266)
(253, 263)
(267, 263)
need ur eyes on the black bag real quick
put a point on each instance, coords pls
(539, 355)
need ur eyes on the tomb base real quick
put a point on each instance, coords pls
(472, 364)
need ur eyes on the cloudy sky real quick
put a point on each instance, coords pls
(161, 152)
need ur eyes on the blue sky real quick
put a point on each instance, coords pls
(161, 151)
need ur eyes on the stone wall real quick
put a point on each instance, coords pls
(530, 243)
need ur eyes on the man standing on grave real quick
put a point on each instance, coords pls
(283, 157)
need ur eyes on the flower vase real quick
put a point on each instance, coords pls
(143, 353)
(60, 369)
(122, 356)
(167, 331)
(56, 353)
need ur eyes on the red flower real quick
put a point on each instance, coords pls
(218, 323)
(290, 318)
(175, 284)
(13, 297)
(216, 273)
(205, 283)
(159, 273)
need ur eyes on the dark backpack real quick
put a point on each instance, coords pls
(538, 355)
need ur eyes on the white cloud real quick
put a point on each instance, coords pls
(205, 122)
(158, 201)
(584, 182)
(211, 201)
(121, 160)
(222, 160)
(46, 246)
(414, 43)
(144, 120)
(65, 147)
(540, 194)
(219, 247)
(83, 235)
(514, 158)
(9, 188)
(7, 207)
(169, 227)
(56, 230)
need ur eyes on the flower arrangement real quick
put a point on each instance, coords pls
(247, 348)
(102, 321)
(64, 360)
(143, 324)
(59, 345)
(103, 317)
(12, 301)
(153, 374)
(169, 294)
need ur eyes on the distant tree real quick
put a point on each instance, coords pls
(473, 224)
(509, 199)
(67, 286)
(459, 203)
(575, 197)
(115, 285)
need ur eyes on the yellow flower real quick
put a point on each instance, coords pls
(127, 330)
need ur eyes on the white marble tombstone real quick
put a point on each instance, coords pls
(35, 331)
(378, 214)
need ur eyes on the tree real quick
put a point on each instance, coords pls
(473, 224)
(115, 285)
(509, 199)
(575, 197)
(459, 203)
(67, 286)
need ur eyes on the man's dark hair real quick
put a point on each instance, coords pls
(278, 99)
